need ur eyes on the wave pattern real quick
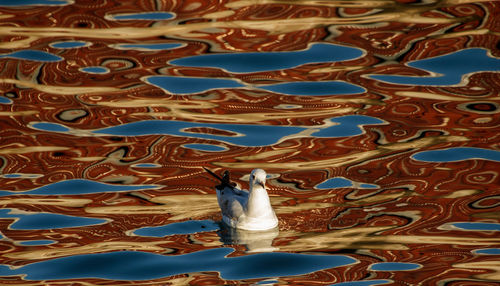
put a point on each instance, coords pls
(410, 186)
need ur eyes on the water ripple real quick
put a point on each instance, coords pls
(78, 187)
(32, 55)
(448, 69)
(34, 221)
(268, 61)
(457, 154)
(246, 134)
(135, 265)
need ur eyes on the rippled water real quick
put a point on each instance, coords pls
(377, 122)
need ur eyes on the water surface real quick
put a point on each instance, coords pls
(128, 265)
(377, 122)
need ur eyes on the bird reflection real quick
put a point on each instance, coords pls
(254, 241)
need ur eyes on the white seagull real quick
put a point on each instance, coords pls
(247, 210)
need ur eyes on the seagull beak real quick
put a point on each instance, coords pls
(262, 184)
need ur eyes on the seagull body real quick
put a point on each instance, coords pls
(248, 210)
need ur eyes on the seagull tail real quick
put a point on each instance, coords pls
(225, 180)
(214, 175)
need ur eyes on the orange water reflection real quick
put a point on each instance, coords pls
(400, 221)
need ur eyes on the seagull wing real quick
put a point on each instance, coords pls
(232, 202)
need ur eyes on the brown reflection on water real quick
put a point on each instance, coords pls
(404, 219)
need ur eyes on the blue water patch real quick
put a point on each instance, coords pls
(11, 176)
(69, 44)
(79, 187)
(488, 251)
(36, 242)
(369, 186)
(205, 147)
(136, 265)
(341, 182)
(20, 176)
(349, 125)
(332, 183)
(450, 68)
(479, 226)
(144, 16)
(314, 88)
(188, 85)
(364, 283)
(95, 70)
(394, 266)
(253, 135)
(34, 2)
(186, 227)
(32, 55)
(287, 106)
(268, 61)
(267, 282)
(5, 100)
(49, 126)
(249, 135)
(36, 221)
(457, 154)
(146, 165)
(152, 47)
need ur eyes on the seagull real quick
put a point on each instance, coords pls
(246, 210)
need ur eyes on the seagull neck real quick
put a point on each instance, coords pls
(258, 202)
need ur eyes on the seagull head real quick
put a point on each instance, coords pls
(258, 177)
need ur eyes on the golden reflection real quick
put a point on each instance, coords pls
(219, 14)
(179, 109)
(98, 247)
(461, 194)
(305, 206)
(180, 207)
(275, 26)
(410, 195)
(77, 203)
(336, 69)
(88, 159)
(6, 16)
(247, 117)
(467, 33)
(268, 154)
(346, 159)
(436, 96)
(366, 101)
(159, 102)
(429, 95)
(18, 113)
(30, 149)
(367, 238)
(492, 265)
(332, 3)
(380, 198)
(61, 90)
(19, 44)
(346, 4)
(128, 210)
